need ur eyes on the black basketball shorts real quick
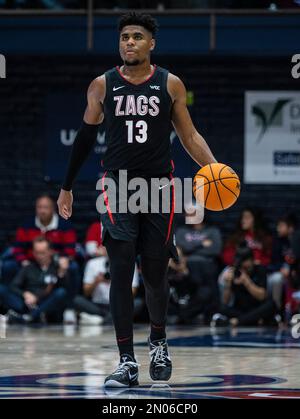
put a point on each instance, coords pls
(152, 231)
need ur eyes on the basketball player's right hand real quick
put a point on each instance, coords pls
(64, 203)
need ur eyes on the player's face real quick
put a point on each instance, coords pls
(135, 44)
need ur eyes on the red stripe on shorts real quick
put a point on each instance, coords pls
(106, 200)
(173, 165)
(172, 209)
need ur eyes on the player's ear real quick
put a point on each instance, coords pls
(152, 42)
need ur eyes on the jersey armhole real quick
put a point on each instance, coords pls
(168, 96)
(106, 83)
(166, 77)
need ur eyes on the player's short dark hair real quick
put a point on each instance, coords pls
(140, 19)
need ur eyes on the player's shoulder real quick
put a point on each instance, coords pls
(175, 86)
(98, 85)
(175, 80)
(165, 70)
(98, 82)
(97, 88)
(112, 70)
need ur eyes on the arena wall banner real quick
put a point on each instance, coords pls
(272, 137)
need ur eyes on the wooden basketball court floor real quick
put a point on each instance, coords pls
(72, 362)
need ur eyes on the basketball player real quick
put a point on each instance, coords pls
(139, 101)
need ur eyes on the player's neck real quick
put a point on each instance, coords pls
(137, 72)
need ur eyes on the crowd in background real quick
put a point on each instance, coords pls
(251, 277)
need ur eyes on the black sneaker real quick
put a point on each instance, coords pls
(126, 375)
(160, 361)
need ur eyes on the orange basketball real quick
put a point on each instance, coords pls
(216, 186)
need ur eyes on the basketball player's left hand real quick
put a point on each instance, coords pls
(64, 203)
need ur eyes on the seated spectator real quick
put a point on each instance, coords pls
(202, 245)
(292, 286)
(296, 244)
(94, 305)
(47, 223)
(244, 299)
(62, 236)
(38, 288)
(282, 258)
(93, 241)
(292, 297)
(249, 230)
(188, 299)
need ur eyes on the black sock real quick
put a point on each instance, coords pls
(157, 332)
(125, 345)
(122, 263)
(157, 293)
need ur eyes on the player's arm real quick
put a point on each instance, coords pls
(83, 143)
(190, 138)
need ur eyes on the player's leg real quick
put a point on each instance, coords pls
(157, 299)
(156, 247)
(119, 233)
(122, 263)
(156, 293)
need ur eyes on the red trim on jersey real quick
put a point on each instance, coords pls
(106, 200)
(145, 81)
(172, 209)
(173, 165)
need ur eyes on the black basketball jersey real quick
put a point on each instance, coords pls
(138, 123)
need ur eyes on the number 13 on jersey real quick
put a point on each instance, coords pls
(139, 129)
